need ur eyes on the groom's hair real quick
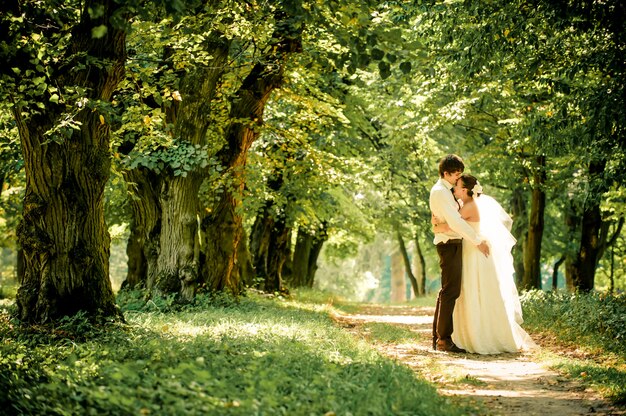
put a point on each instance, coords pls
(451, 163)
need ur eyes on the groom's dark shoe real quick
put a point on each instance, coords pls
(435, 343)
(449, 346)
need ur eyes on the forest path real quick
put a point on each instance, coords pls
(505, 384)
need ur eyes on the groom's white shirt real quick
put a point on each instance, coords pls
(443, 205)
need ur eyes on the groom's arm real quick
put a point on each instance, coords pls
(450, 214)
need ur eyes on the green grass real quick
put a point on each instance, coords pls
(590, 329)
(253, 357)
(386, 333)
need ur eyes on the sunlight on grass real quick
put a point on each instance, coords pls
(381, 332)
(218, 356)
(589, 334)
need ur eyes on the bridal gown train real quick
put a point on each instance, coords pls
(487, 314)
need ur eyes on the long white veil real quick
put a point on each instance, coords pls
(495, 227)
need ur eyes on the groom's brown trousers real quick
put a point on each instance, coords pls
(451, 263)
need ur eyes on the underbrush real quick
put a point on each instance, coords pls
(222, 356)
(591, 328)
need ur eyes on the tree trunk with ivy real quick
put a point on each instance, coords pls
(63, 232)
(223, 224)
(178, 263)
(532, 253)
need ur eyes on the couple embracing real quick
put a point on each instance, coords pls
(478, 309)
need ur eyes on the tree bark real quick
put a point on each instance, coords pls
(532, 255)
(224, 222)
(63, 232)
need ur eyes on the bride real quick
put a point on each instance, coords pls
(488, 314)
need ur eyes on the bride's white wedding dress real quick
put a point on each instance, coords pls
(488, 314)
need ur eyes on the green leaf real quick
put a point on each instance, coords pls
(99, 31)
(384, 69)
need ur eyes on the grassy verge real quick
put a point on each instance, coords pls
(253, 357)
(588, 331)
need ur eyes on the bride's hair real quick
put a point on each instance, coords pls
(470, 183)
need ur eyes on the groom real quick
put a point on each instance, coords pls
(445, 208)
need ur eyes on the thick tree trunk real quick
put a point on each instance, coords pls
(63, 232)
(179, 245)
(591, 244)
(532, 254)
(224, 223)
(178, 264)
(407, 263)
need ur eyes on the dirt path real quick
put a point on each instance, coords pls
(506, 384)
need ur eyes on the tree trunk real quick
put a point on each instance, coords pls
(145, 229)
(407, 263)
(278, 253)
(316, 248)
(179, 245)
(269, 247)
(532, 255)
(520, 231)
(587, 257)
(177, 267)
(305, 255)
(301, 254)
(572, 222)
(224, 222)
(420, 267)
(63, 232)
(244, 268)
(555, 273)
(260, 241)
